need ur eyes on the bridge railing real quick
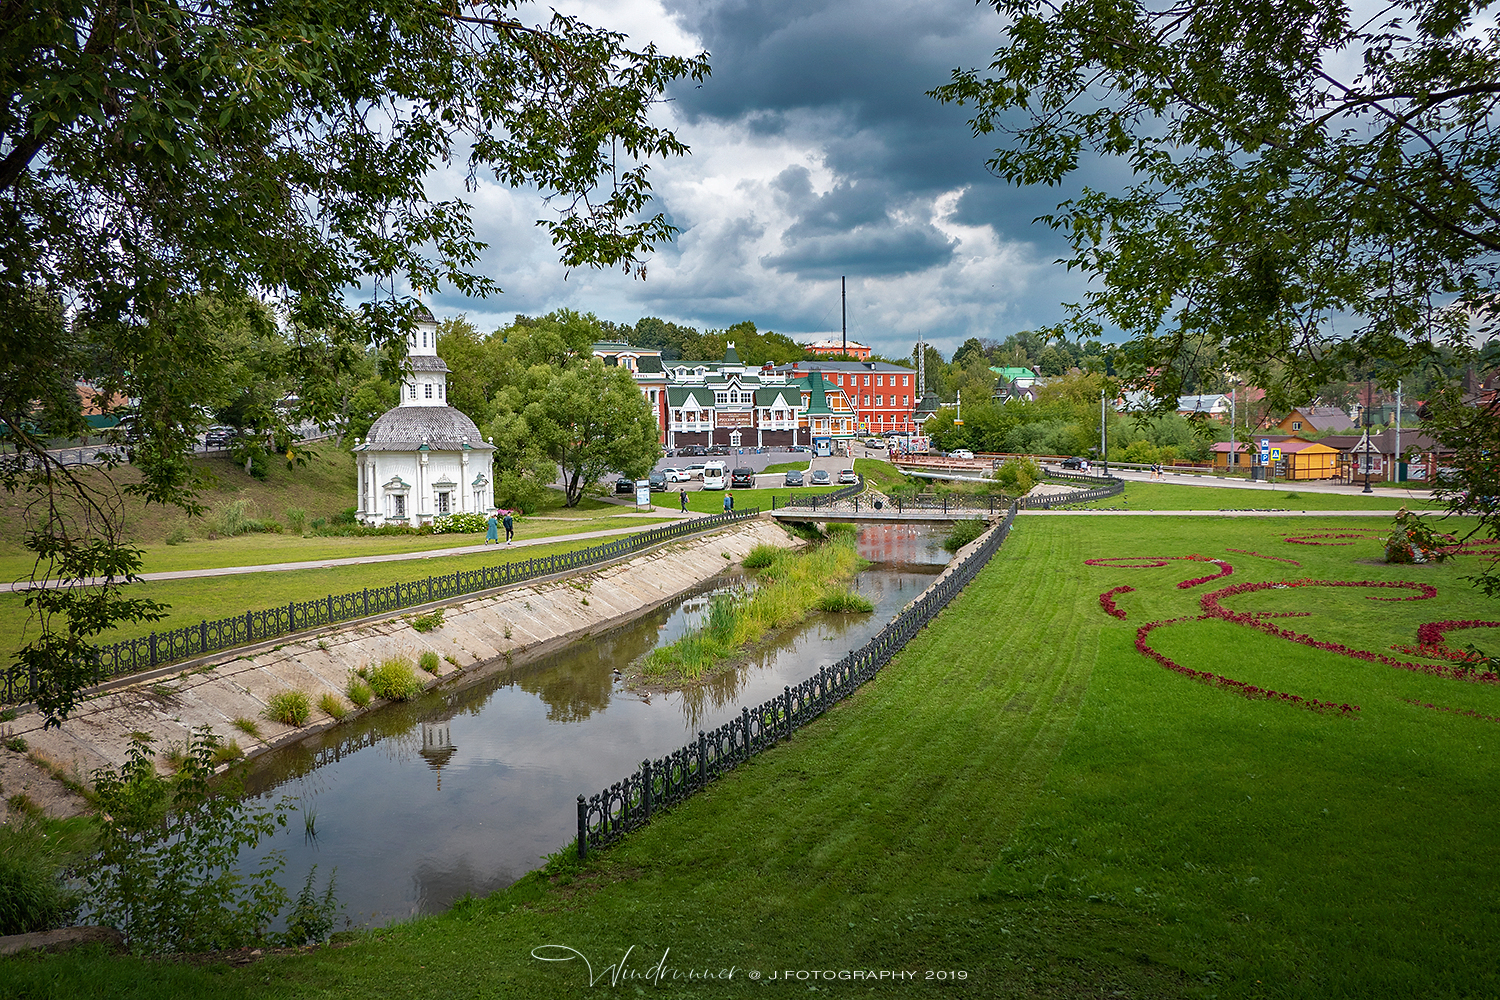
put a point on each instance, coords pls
(817, 501)
(129, 656)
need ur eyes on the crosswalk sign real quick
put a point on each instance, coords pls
(1275, 454)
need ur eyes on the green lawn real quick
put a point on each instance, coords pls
(879, 473)
(194, 600)
(1177, 496)
(1044, 810)
(789, 467)
(712, 501)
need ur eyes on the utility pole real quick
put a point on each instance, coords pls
(1398, 430)
(1369, 401)
(1103, 434)
(1234, 456)
(921, 367)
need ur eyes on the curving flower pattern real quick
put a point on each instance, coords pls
(1107, 601)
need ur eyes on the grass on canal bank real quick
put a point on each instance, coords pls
(215, 597)
(1282, 496)
(791, 583)
(1024, 798)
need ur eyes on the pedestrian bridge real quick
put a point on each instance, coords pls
(865, 513)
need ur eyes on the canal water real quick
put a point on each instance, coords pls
(469, 788)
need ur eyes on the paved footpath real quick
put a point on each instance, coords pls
(458, 550)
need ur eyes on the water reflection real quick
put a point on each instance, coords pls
(467, 788)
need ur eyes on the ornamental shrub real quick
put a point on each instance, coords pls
(465, 523)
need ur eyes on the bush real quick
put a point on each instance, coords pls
(429, 621)
(448, 524)
(429, 662)
(359, 692)
(290, 708)
(33, 895)
(1018, 475)
(963, 533)
(347, 516)
(177, 535)
(229, 520)
(394, 680)
(296, 519)
(166, 873)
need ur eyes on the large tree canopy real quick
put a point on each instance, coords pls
(1311, 188)
(1306, 187)
(163, 153)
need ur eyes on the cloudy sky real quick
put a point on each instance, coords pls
(815, 155)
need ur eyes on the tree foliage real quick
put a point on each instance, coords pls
(1287, 210)
(1309, 188)
(589, 419)
(160, 159)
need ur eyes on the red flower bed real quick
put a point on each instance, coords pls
(1304, 539)
(1229, 683)
(1213, 609)
(1456, 711)
(1107, 602)
(1156, 562)
(1247, 552)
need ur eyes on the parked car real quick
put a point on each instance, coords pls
(743, 478)
(963, 453)
(626, 486)
(800, 447)
(714, 476)
(218, 437)
(679, 476)
(658, 482)
(821, 477)
(1072, 463)
(847, 477)
(694, 471)
(794, 478)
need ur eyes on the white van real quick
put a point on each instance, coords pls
(713, 475)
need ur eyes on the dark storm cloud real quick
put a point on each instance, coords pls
(854, 74)
(850, 229)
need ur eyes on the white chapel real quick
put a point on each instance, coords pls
(423, 458)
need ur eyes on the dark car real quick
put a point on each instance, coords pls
(742, 478)
(1072, 463)
(794, 478)
(218, 437)
(626, 486)
(658, 482)
(821, 478)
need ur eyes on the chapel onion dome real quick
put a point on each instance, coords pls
(440, 428)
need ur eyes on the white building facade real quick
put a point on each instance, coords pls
(423, 458)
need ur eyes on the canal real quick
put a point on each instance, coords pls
(467, 789)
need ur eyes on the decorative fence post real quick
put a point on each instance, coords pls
(583, 829)
(702, 759)
(646, 789)
(786, 701)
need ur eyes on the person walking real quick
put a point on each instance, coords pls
(491, 529)
(510, 528)
(728, 502)
(682, 495)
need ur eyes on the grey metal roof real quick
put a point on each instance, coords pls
(405, 428)
(427, 363)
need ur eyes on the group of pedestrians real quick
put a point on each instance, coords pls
(492, 527)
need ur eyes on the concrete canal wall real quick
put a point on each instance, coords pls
(478, 634)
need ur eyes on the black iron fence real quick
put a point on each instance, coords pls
(1103, 488)
(816, 501)
(627, 805)
(161, 648)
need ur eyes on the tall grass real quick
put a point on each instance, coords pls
(33, 894)
(791, 584)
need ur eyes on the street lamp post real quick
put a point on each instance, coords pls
(1365, 458)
